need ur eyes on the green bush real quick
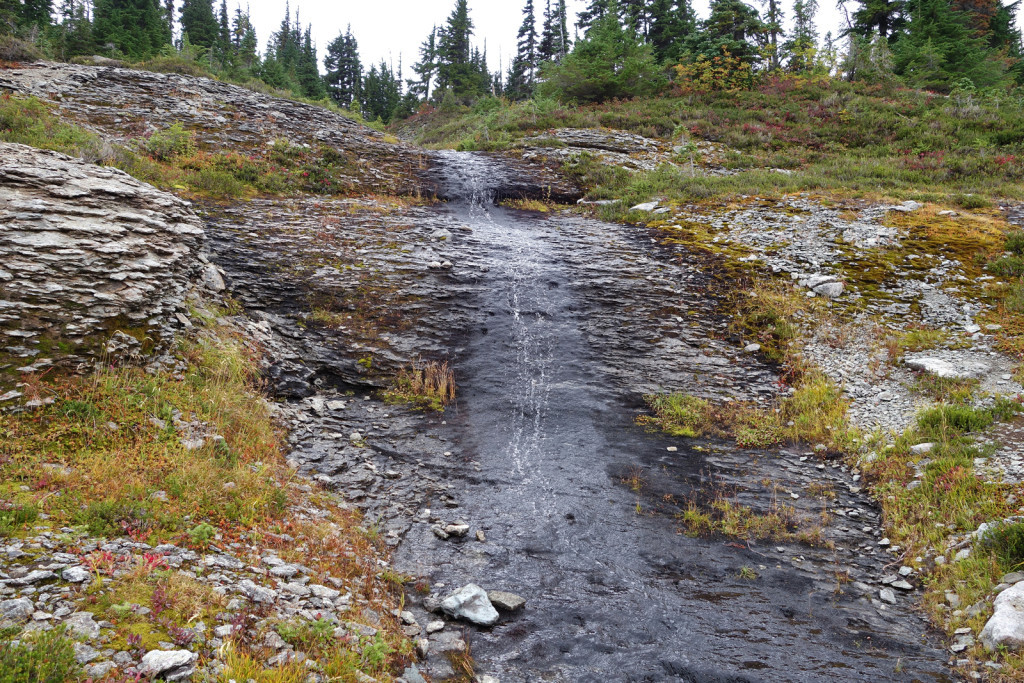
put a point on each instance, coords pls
(1009, 266)
(958, 418)
(16, 50)
(1015, 242)
(171, 142)
(14, 516)
(216, 183)
(1006, 541)
(47, 658)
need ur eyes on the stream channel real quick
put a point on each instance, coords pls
(556, 325)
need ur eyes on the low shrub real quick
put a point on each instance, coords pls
(171, 142)
(14, 49)
(46, 658)
(1006, 541)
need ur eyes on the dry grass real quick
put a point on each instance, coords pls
(428, 385)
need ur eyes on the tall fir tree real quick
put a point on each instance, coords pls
(344, 70)
(426, 67)
(671, 23)
(773, 30)
(307, 70)
(732, 26)
(199, 22)
(456, 68)
(244, 42)
(135, 28)
(941, 47)
(523, 71)
(802, 44)
(884, 17)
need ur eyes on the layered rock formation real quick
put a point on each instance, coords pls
(86, 251)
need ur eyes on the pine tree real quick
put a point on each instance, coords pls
(546, 47)
(456, 69)
(801, 46)
(307, 70)
(773, 30)
(426, 68)
(671, 23)
(523, 72)
(224, 52)
(940, 48)
(35, 13)
(169, 19)
(381, 93)
(198, 21)
(886, 17)
(244, 41)
(733, 27)
(74, 33)
(136, 28)
(610, 61)
(594, 11)
(344, 71)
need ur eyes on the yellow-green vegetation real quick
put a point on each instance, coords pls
(528, 205)
(949, 498)
(832, 135)
(428, 385)
(107, 458)
(172, 160)
(45, 656)
(99, 453)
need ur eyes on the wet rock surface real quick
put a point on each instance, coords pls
(554, 327)
(85, 250)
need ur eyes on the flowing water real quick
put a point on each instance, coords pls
(556, 325)
(549, 382)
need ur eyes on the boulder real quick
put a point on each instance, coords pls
(86, 249)
(472, 604)
(1006, 627)
(946, 369)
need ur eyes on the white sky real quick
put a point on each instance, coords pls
(386, 29)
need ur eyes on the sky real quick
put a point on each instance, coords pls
(390, 29)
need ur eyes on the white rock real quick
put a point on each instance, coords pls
(752, 348)
(646, 206)
(82, 624)
(887, 595)
(172, 665)
(830, 290)
(18, 609)
(471, 603)
(922, 448)
(1006, 627)
(946, 369)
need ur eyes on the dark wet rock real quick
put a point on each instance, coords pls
(470, 603)
(85, 248)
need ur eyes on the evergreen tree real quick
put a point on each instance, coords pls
(224, 53)
(594, 11)
(802, 44)
(381, 93)
(610, 61)
(244, 41)
(136, 28)
(885, 17)
(733, 27)
(169, 19)
(35, 13)
(426, 67)
(940, 48)
(523, 72)
(554, 41)
(74, 33)
(1005, 37)
(307, 71)
(198, 21)
(671, 23)
(773, 31)
(344, 71)
(456, 69)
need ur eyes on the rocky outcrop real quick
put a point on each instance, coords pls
(125, 105)
(86, 251)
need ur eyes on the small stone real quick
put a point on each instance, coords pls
(884, 542)
(83, 653)
(1013, 577)
(902, 585)
(752, 348)
(922, 448)
(435, 626)
(962, 555)
(470, 603)
(172, 665)
(887, 595)
(481, 536)
(508, 602)
(83, 624)
(75, 574)
(19, 609)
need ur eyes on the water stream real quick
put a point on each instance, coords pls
(546, 411)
